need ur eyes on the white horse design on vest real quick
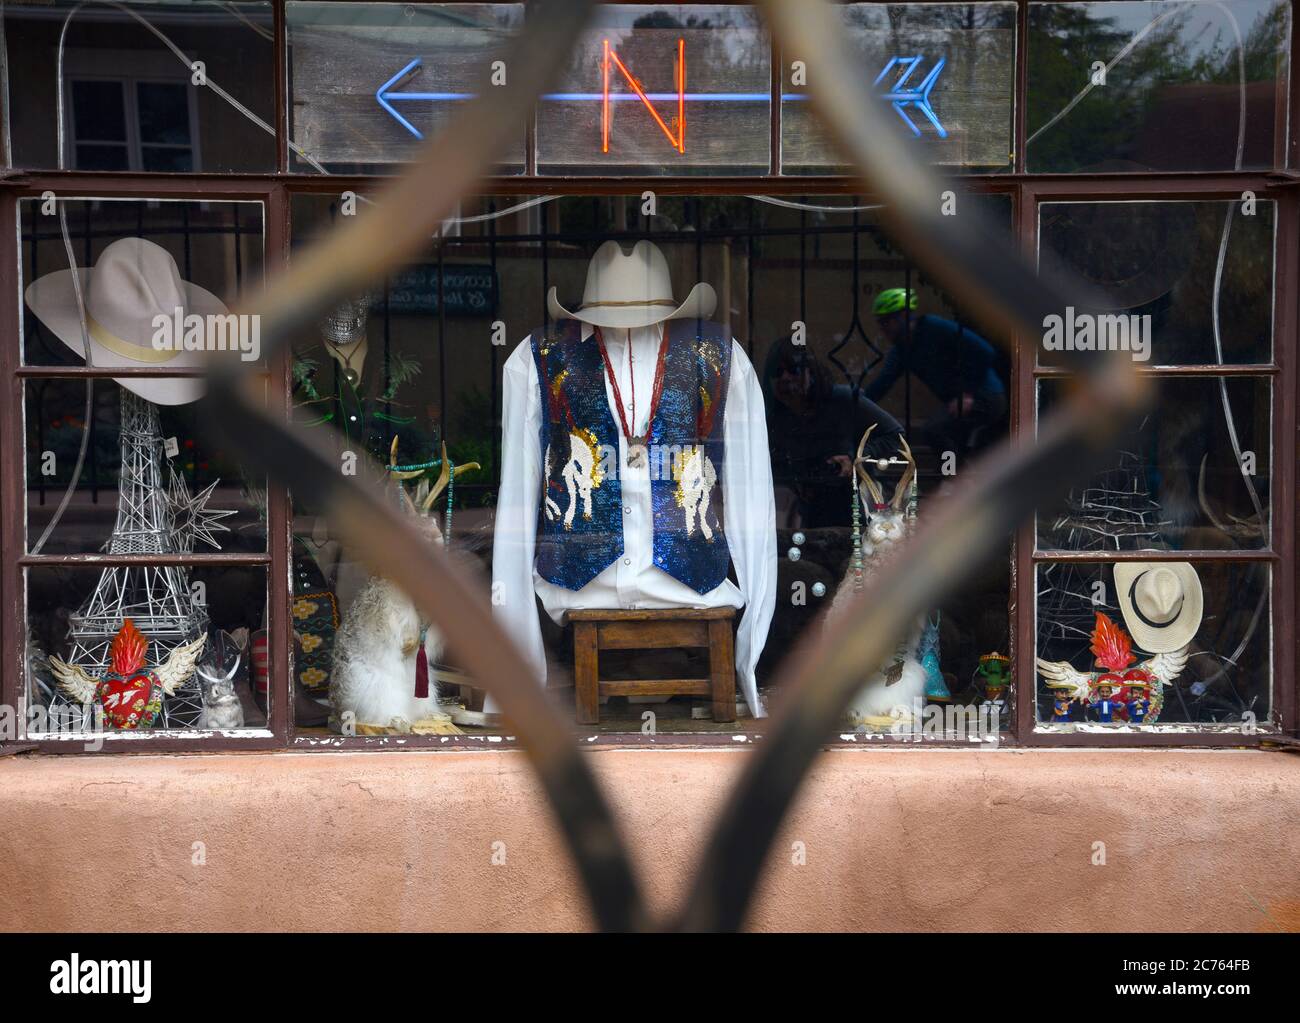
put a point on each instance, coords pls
(696, 478)
(581, 475)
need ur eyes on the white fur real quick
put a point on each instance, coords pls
(885, 530)
(374, 658)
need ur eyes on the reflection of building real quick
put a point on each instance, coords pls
(131, 103)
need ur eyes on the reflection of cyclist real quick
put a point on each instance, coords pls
(813, 428)
(954, 362)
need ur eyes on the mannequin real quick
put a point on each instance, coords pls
(636, 470)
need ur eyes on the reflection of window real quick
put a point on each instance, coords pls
(143, 122)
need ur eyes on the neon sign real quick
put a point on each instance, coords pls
(917, 96)
(679, 73)
(899, 95)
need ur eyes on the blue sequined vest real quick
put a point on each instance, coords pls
(580, 522)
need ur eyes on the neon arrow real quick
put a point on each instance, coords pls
(899, 97)
(918, 97)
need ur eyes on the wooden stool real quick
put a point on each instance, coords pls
(596, 630)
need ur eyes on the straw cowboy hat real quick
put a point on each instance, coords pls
(133, 281)
(633, 290)
(1161, 602)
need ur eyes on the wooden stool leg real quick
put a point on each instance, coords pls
(586, 673)
(722, 670)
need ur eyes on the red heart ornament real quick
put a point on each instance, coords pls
(130, 701)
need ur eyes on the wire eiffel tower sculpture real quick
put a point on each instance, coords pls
(1114, 512)
(151, 519)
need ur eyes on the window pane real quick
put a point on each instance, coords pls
(164, 113)
(1163, 86)
(417, 362)
(74, 615)
(152, 481)
(369, 81)
(212, 249)
(1157, 264)
(1177, 482)
(715, 120)
(97, 111)
(1212, 621)
(962, 116)
(233, 41)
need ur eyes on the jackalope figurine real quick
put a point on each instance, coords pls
(381, 681)
(889, 695)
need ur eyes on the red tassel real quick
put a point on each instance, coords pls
(421, 674)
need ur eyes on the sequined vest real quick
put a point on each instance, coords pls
(580, 522)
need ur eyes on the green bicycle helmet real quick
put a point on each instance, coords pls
(892, 300)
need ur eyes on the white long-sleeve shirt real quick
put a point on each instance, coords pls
(633, 581)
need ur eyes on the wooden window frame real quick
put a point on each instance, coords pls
(276, 191)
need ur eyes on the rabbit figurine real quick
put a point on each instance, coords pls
(891, 694)
(376, 652)
(222, 708)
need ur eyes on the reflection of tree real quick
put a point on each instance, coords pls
(731, 42)
(1194, 44)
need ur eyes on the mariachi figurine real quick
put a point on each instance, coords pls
(994, 670)
(129, 693)
(1107, 702)
(1139, 703)
(1063, 696)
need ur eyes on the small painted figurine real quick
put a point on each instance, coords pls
(1106, 702)
(994, 670)
(1061, 700)
(936, 689)
(1139, 704)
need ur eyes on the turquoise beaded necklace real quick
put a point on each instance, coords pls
(451, 489)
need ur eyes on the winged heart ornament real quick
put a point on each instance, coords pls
(129, 692)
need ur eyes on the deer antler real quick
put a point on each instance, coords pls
(905, 482)
(873, 488)
(444, 477)
(424, 495)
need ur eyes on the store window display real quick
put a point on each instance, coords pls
(142, 644)
(659, 500)
(728, 485)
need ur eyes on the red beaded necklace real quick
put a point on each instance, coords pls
(637, 444)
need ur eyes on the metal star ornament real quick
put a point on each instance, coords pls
(192, 519)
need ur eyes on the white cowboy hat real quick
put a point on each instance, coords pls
(1161, 601)
(633, 290)
(133, 281)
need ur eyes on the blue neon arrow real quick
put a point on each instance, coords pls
(919, 96)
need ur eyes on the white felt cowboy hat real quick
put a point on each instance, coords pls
(1162, 603)
(633, 290)
(133, 281)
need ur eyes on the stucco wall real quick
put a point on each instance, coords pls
(923, 840)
